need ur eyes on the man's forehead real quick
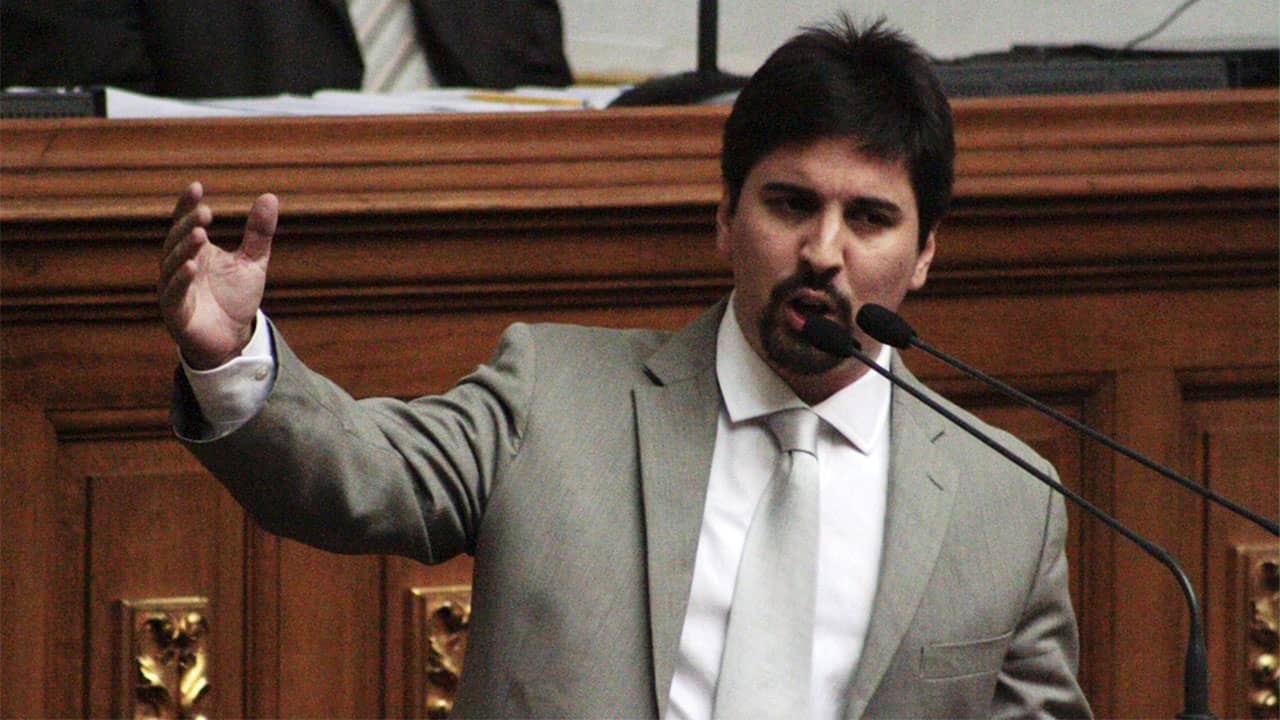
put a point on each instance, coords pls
(854, 144)
(828, 157)
(833, 162)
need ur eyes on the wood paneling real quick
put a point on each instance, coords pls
(1114, 255)
(1232, 441)
(330, 634)
(32, 625)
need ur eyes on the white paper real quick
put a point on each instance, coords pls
(127, 104)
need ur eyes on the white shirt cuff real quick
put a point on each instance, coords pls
(232, 393)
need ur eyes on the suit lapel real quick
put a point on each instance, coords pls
(922, 489)
(339, 9)
(337, 6)
(676, 426)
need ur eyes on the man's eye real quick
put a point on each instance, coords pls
(873, 219)
(791, 205)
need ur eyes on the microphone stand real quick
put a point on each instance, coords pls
(831, 337)
(705, 84)
(867, 320)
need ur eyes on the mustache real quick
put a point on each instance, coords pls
(809, 279)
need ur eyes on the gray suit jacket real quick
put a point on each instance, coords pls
(574, 468)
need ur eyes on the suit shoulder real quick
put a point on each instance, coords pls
(581, 343)
(578, 353)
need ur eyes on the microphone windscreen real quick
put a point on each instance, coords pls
(830, 337)
(885, 325)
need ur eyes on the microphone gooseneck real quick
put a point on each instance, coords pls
(888, 327)
(824, 335)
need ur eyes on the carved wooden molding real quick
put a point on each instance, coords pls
(164, 661)
(1260, 565)
(517, 211)
(112, 423)
(640, 157)
(437, 638)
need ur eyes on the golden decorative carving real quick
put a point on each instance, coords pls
(164, 667)
(437, 636)
(1263, 593)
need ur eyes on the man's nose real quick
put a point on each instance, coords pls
(823, 245)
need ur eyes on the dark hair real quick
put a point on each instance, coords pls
(872, 85)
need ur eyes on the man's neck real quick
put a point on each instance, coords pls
(815, 388)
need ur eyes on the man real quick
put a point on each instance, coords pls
(220, 48)
(611, 484)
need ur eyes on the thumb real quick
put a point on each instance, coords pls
(260, 227)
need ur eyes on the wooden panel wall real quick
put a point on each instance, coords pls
(1114, 255)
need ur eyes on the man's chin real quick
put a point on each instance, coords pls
(790, 352)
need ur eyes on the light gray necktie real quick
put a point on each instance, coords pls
(765, 672)
(393, 59)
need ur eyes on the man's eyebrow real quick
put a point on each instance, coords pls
(861, 203)
(874, 204)
(780, 186)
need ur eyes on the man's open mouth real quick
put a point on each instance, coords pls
(807, 303)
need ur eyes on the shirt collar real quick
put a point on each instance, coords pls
(751, 389)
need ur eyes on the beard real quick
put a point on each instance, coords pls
(788, 349)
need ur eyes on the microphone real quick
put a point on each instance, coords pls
(888, 327)
(831, 337)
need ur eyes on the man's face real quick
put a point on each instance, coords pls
(819, 229)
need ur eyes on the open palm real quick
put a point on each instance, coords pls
(209, 297)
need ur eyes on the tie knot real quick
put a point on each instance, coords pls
(795, 429)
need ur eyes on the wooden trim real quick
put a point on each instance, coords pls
(1027, 147)
(504, 204)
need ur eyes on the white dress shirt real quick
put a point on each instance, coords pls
(394, 58)
(232, 393)
(853, 457)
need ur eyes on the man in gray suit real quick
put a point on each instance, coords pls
(605, 480)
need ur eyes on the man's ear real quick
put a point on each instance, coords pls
(724, 217)
(924, 260)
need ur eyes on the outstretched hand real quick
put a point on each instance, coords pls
(208, 296)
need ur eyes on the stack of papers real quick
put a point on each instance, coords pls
(127, 104)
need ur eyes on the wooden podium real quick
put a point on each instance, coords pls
(1114, 255)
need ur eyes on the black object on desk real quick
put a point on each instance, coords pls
(33, 103)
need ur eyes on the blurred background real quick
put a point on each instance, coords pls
(608, 39)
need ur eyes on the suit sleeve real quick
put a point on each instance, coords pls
(379, 475)
(1038, 677)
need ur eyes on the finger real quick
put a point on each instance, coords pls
(200, 216)
(187, 248)
(260, 227)
(172, 293)
(187, 201)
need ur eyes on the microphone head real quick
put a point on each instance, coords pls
(885, 325)
(830, 337)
